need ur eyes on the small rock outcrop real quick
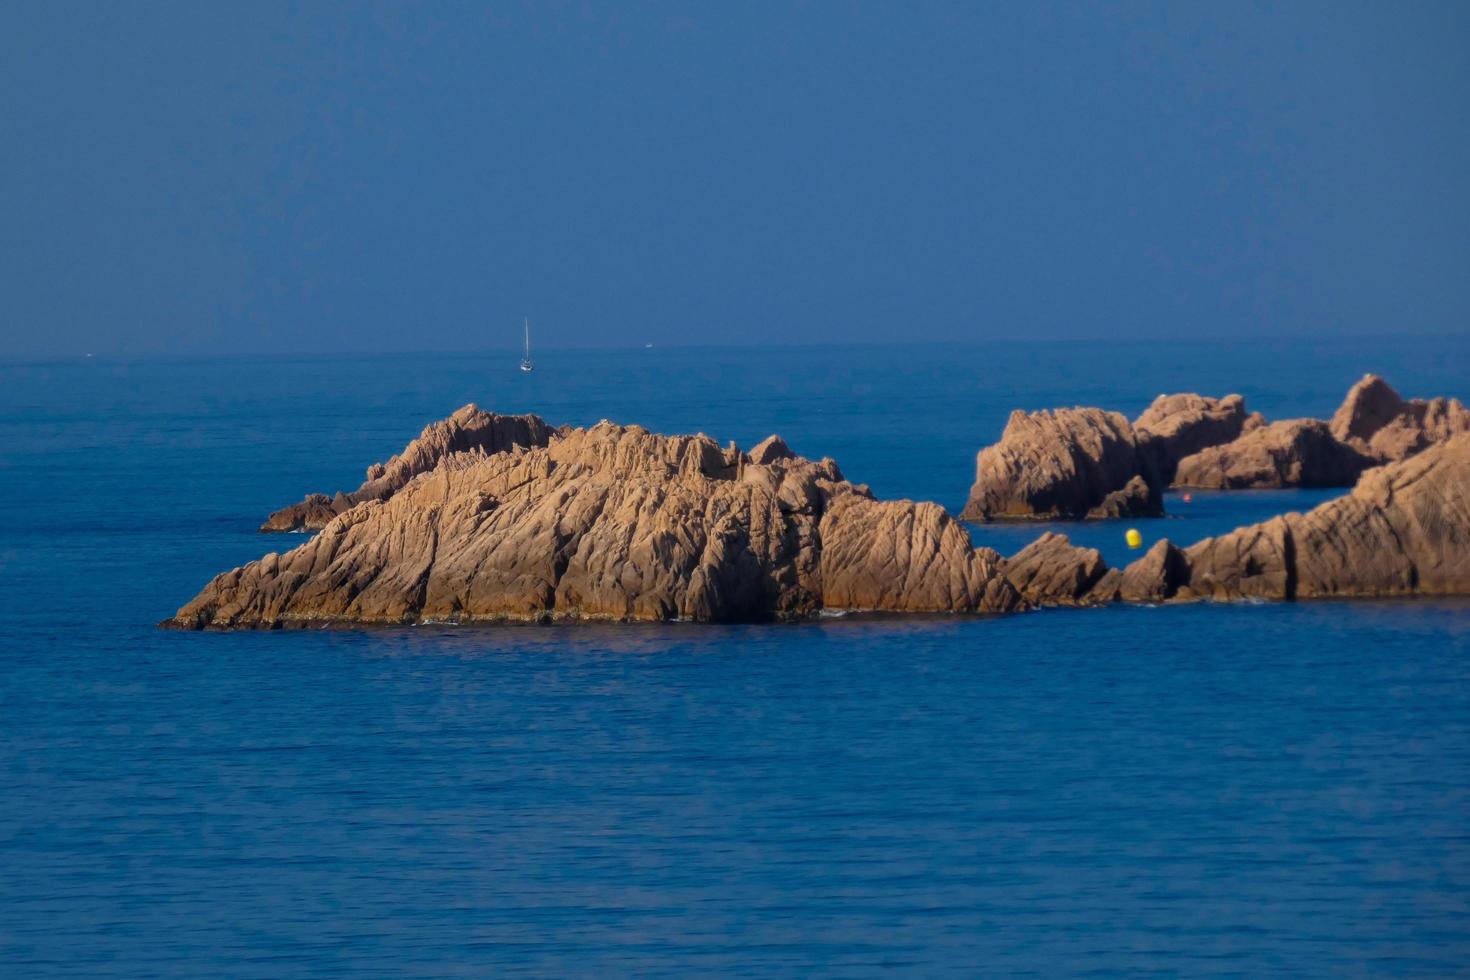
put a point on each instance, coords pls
(1063, 464)
(1249, 562)
(615, 523)
(1377, 422)
(468, 429)
(1154, 577)
(1051, 571)
(899, 556)
(1176, 426)
(1293, 453)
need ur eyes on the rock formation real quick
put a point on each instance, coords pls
(1293, 453)
(466, 430)
(615, 523)
(1404, 529)
(1176, 426)
(1050, 571)
(1154, 577)
(1087, 463)
(1063, 464)
(1374, 420)
(1084, 462)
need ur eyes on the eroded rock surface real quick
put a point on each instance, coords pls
(1154, 577)
(618, 523)
(1293, 453)
(1176, 426)
(1404, 529)
(1085, 462)
(1063, 464)
(1051, 571)
(468, 429)
(1380, 424)
(615, 523)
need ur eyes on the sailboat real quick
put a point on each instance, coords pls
(526, 364)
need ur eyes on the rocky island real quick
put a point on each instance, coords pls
(488, 518)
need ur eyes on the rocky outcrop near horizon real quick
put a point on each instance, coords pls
(468, 429)
(615, 523)
(1071, 464)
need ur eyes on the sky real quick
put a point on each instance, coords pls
(202, 178)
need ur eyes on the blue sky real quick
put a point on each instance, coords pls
(207, 178)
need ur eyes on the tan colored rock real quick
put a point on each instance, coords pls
(1293, 453)
(1250, 562)
(770, 449)
(1105, 590)
(1176, 426)
(468, 429)
(1376, 421)
(617, 523)
(1404, 529)
(1050, 571)
(614, 523)
(1134, 499)
(901, 556)
(1067, 463)
(1156, 576)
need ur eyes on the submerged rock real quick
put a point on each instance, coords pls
(466, 430)
(1062, 464)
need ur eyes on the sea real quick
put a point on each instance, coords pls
(1244, 789)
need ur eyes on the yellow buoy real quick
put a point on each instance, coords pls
(1133, 538)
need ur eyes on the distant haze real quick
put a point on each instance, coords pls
(206, 178)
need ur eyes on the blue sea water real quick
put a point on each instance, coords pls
(1233, 789)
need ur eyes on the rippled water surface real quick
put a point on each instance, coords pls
(1243, 789)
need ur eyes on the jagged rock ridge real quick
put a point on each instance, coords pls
(615, 523)
(468, 429)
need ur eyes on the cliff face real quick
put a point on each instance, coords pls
(614, 523)
(468, 429)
